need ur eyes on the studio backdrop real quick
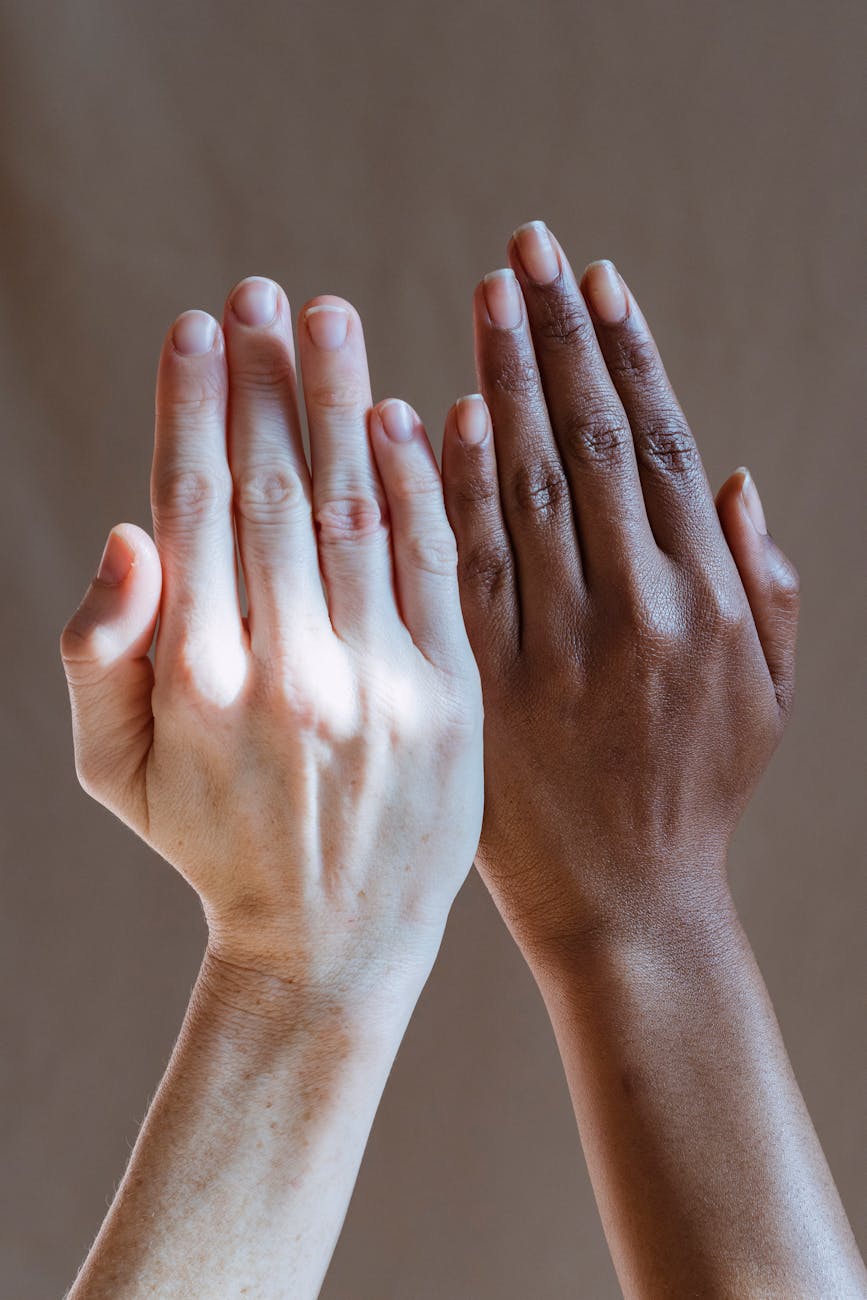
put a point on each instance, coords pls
(152, 155)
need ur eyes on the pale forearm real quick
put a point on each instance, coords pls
(245, 1163)
(311, 765)
(708, 1173)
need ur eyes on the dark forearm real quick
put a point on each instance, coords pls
(708, 1173)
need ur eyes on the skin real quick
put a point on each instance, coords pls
(313, 769)
(636, 641)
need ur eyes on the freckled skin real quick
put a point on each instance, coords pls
(314, 770)
(636, 643)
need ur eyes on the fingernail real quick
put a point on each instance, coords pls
(194, 333)
(471, 417)
(753, 502)
(503, 299)
(116, 560)
(398, 419)
(254, 301)
(605, 292)
(327, 326)
(537, 252)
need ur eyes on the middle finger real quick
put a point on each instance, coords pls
(587, 416)
(348, 501)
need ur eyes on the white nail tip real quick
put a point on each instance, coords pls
(326, 306)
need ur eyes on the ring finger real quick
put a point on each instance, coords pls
(348, 501)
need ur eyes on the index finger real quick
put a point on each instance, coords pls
(191, 489)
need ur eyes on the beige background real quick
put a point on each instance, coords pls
(155, 153)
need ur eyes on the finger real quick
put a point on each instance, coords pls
(348, 502)
(191, 494)
(587, 417)
(677, 495)
(104, 648)
(534, 493)
(423, 544)
(486, 567)
(272, 497)
(769, 578)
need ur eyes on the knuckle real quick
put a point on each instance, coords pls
(725, 614)
(475, 494)
(434, 553)
(84, 650)
(339, 395)
(514, 375)
(349, 519)
(659, 630)
(539, 489)
(670, 447)
(654, 615)
(597, 437)
(191, 494)
(74, 643)
(263, 374)
(266, 493)
(565, 323)
(636, 360)
(200, 676)
(281, 690)
(191, 402)
(486, 568)
(412, 486)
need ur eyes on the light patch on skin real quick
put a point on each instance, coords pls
(319, 683)
(220, 670)
(408, 706)
(346, 696)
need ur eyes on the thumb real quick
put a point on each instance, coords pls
(104, 648)
(770, 579)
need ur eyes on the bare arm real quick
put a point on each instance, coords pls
(313, 769)
(636, 643)
(244, 1166)
(707, 1170)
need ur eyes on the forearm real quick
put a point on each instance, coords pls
(245, 1163)
(707, 1171)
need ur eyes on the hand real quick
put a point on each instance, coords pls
(636, 644)
(313, 769)
(635, 640)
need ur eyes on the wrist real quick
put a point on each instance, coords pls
(670, 911)
(263, 995)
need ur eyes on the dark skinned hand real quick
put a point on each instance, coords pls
(636, 639)
(636, 644)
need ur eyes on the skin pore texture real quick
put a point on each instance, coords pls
(313, 769)
(636, 642)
